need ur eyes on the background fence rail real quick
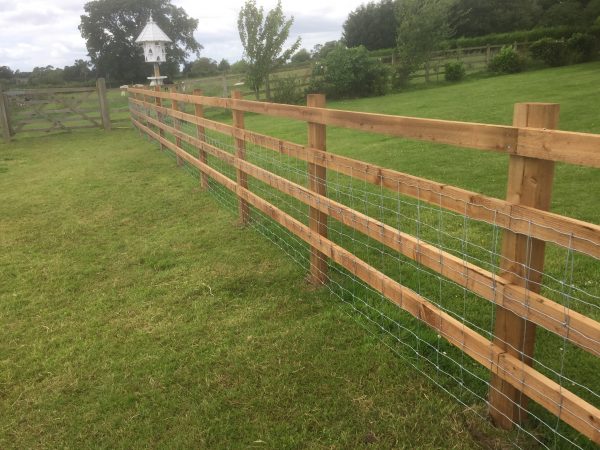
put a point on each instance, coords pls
(380, 238)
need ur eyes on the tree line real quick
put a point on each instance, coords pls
(413, 27)
(376, 25)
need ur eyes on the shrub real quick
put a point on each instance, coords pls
(582, 47)
(287, 89)
(349, 72)
(454, 71)
(552, 51)
(507, 61)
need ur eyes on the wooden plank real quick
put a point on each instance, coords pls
(240, 152)
(573, 410)
(317, 183)
(52, 128)
(464, 134)
(581, 236)
(583, 148)
(201, 135)
(196, 142)
(567, 232)
(20, 92)
(565, 146)
(522, 263)
(573, 326)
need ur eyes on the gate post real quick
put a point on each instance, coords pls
(104, 106)
(522, 262)
(317, 182)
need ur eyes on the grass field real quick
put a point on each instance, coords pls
(135, 313)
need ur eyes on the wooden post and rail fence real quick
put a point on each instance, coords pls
(55, 109)
(533, 145)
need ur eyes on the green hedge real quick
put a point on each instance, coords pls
(521, 36)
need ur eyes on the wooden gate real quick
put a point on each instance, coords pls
(54, 109)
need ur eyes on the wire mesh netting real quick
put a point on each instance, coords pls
(570, 279)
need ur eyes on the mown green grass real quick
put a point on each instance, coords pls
(134, 312)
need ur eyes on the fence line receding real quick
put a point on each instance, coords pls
(497, 301)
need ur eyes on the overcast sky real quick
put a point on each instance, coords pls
(40, 33)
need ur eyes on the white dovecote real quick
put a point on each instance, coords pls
(154, 41)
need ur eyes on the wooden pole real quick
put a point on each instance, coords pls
(201, 135)
(158, 102)
(4, 117)
(240, 152)
(104, 105)
(317, 182)
(176, 124)
(522, 262)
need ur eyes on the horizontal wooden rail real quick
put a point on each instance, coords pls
(565, 322)
(17, 92)
(573, 410)
(565, 231)
(582, 149)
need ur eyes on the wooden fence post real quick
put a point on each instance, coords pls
(522, 261)
(104, 105)
(240, 152)
(317, 182)
(176, 124)
(201, 135)
(4, 119)
(488, 55)
(159, 116)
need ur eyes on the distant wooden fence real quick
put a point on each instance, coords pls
(54, 109)
(534, 148)
(474, 59)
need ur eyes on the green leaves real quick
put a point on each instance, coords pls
(263, 38)
(111, 26)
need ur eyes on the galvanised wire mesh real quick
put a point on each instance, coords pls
(570, 278)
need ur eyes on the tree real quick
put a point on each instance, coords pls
(301, 56)
(202, 67)
(320, 51)
(240, 66)
(373, 25)
(110, 28)
(349, 73)
(46, 76)
(6, 73)
(79, 71)
(224, 66)
(422, 26)
(569, 12)
(263, 38)
(481, 17)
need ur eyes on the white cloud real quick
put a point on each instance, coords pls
(41, 33)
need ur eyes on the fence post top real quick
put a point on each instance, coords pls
(316, 100)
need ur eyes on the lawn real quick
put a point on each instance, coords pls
(134, 312)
